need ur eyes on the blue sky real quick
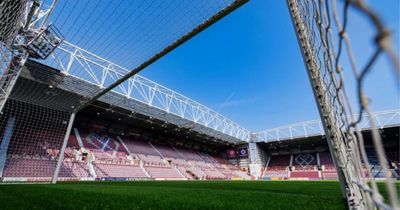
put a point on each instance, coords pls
(247, 66)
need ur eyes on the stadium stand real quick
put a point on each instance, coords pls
(167, 151)
(304, 166)
(41, 168)
(139, 146)
(304, 174)
(198, 173)
(119, 171)
(27, 168)
(277, 167)
(213, 173)
(127, 157)
(304, 162)
(164, 173)
(189, 154)
(374, 163)
(75, 169)
(328, 170)
(93, 154)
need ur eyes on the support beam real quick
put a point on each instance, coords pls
(64, 145)
(8, 132)
(346, 168)
(232, 7)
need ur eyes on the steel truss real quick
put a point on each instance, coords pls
(384, 119)
(79, 63)
(19, 34)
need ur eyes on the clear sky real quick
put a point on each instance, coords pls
(247, 66)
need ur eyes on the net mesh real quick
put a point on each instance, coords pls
(322, 31)
(11, 17)
(31, 141)
(133, 34)
(33, 125)
(11, 20)
(152, 30)
(36, 119)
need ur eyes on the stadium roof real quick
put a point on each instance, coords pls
(384, 119)
(48, 87)
(136, 33)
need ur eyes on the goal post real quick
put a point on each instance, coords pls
(49, 84)
(316, 22)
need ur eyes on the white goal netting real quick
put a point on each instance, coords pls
(322, 32)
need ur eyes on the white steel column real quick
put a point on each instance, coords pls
(255, 161)
(64, 145)
(8, 131)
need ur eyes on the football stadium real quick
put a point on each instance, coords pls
(85, 125)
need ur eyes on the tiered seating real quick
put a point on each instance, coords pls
(167, 151)
(280, 162)
(278, 167)
(87, 140)
(74, 169)
(226, 171)
(201, 164)
(276, 174)
(73, 141)
(97, 141)
(241, 174)
(305, 162)
(207, 158)
(329, 175)
(105, 149)
(36, 157)
(41, 168)
(325, 159)
(304, 174)
(221, 160)
(327, 166)
(394, 162)
(164, 173)
(179, 162)
(221, 163)
(189, 154)
(38, 143)
(393, 157)
(184, 171)
(223, 166)
(28, 168)
(304, 166)
(376, 169)
(118, 171)
(139, 147)
(151, 160)
(213, 174)
(197, 172)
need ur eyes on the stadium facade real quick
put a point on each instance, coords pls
(81, 117)
(111, 140)
(156, 144)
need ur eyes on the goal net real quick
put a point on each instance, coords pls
(11, 20)
(322, 29)
(39, 111)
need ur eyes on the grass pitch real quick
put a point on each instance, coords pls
(225, 195)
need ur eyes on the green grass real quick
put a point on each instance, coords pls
(174, 195)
